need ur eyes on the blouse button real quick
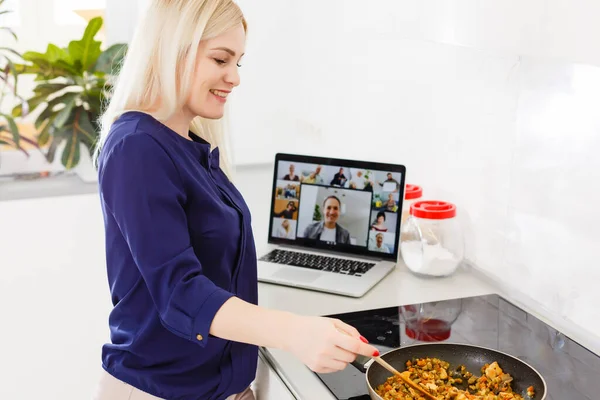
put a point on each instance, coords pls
(199, 337)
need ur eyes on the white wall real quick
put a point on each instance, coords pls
(121, 19)
(492, 105)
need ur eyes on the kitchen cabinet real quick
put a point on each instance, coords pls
(268, 385)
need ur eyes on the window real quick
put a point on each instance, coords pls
(65, 10)
(12, 18)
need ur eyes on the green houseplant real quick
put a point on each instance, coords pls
(317, 216)
(72, 85)
(9, 131)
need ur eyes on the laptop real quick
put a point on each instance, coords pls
(334, 224)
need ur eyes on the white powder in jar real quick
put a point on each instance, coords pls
(428, 259)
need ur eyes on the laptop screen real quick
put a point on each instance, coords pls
(342, 205)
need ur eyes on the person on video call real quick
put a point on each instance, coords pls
(379, 246)
(339, 179)
(390, 179)
(284, 230)
(289, 191)
(291, 176)
(329, 230)
(391, 203)
(362, 182)
(314, 177)
(288, 212)
(379, 223)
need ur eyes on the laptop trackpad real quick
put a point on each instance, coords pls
(297, 275)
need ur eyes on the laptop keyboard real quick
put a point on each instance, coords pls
(321, 263)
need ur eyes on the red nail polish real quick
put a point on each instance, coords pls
(363, 339)
(376, 354)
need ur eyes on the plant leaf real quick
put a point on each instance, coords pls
(43, 137)
(31, 142)
(47, 89)
(80, 123)
(86, 129)
(71, 152)
(87, 50)
(55, 53)
(64, 114)
(110, 59)
(95, 103)
(56, 140)
(33, 56)
(10, 142)
(94, 97)
(49, 110)
(15, 75)
(27, 69)
(47, 132)
(71, 68)
(32, 104)
(43, 117)
(45, 68)
(41, 68)
(79, 130)
(13, 34)
(9, 50)
(92, 28)
(12, 127)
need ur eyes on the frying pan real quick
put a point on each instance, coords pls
(472, 357)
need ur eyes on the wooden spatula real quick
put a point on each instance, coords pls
(405, 376)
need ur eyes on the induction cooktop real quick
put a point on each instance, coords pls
(571, 371)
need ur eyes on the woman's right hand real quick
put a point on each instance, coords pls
(325, 344)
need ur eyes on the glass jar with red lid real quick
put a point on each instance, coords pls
(431, 241)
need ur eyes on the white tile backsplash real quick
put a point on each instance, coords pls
(488, 117)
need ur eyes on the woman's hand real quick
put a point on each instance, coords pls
(325, 344)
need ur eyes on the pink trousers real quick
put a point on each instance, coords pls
(110, 388)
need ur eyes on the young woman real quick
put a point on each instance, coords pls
(284, 230)
(379, 223)
(288, 212)
(180, 252)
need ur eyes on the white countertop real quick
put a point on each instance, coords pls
(54, 186)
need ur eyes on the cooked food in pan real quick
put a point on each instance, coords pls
(444, 383)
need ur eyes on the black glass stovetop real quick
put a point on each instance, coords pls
(571, 371)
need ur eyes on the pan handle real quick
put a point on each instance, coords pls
(362, 363)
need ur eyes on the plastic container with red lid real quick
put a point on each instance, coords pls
(412, 194)
(431, 241)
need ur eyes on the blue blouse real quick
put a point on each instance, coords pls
(178, 245)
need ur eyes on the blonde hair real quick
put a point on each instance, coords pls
(158, 70)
